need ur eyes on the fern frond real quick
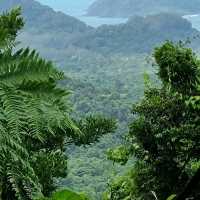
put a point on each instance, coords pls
(26, 66)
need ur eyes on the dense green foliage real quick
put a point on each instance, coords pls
(107, 86)
(165, 135)
(34, 118)
(111, 82)
(66, 195)
(101, 84)
(35, 124)
(120, 188)
(127, 8)
(94, 127)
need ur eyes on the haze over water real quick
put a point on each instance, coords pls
(78, 8)
(195, 20)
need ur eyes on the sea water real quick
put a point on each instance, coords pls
(78, 9)
(194, 19)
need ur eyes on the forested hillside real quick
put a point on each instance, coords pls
(105, 72)
(50, 32)
(139, 34)
(44, 17)
(127, 8)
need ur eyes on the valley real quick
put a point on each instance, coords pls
(105, 66)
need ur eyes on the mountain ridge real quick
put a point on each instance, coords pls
(38, 15)
(56, 34)
(128, 8)
(139, 34)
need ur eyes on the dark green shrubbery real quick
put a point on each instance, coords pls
(165, 136)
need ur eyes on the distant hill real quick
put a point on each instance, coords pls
(44, 17)
(138, 35)
(101, 84)
(127, 8)
(61, 38)
(46, 30)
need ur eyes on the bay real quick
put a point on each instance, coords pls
(78, 9)
(194, 19)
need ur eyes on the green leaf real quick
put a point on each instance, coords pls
(173, 196)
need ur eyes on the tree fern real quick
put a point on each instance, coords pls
(32, 112)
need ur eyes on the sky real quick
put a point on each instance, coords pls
(73, 7)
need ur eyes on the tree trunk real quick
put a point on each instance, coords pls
(192, 188)
(1, 187)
